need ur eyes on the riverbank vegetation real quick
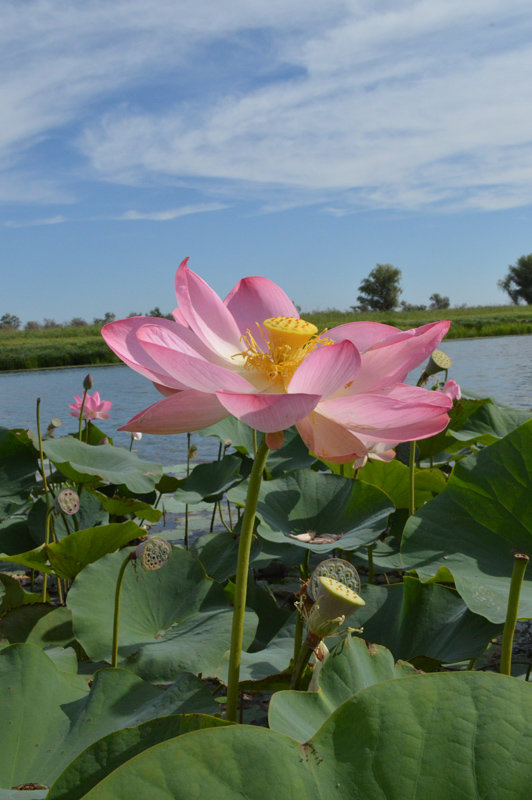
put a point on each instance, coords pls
(83, 345)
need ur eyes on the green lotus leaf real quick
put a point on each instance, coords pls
(461, 735)
(90, 515)
(14, 595)
(306, 501)
(121, 506)
(18, 462)
(15, 536)
(270, 660)
(209, 481)
(171, 620)
(393, 478)
(351, 666)
(218, 553)
(93, 466)
(475, 526)
(415, 620)
(49, 716)
(105, 755)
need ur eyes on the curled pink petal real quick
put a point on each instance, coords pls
(181, 412)
(327, 369)
(268, 412)
(452, 390)
(205, 313)
(329, 439)
(255, 299)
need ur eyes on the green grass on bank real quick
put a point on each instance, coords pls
(71, 346)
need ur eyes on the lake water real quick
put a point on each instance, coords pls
(500, 368)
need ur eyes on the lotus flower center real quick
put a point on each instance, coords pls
(288, 341)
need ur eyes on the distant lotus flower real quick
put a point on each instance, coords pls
(94, 408)
(452, 390)
(253, 357)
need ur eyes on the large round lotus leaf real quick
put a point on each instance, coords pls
(49, 716)
(89, 515)
(171, 620)
(476, 525)
(350, 667)
(423, 620)
(393, 478)
(108, 753)
(262, 664)
(93, 466)
(441, 736)
(15, 536)
(306, 501)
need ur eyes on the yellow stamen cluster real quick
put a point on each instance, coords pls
(288, 342)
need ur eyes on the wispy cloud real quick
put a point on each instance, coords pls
(31, 223)
(415, 104)
(171, 213)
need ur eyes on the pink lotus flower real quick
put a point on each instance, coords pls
(94, 408)
(253, 357)
(452, 390)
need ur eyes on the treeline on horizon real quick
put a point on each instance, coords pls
(82, 345)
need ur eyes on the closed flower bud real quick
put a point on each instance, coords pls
(87, 382)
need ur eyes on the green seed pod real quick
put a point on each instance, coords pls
(438, 362)
(335, 602)
(153, 553)
(337, 568)
(67, 501)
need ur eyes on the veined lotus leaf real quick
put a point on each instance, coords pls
(445, 735)
(171, 620)
(475, 526)
(49, 716)
(351, 666)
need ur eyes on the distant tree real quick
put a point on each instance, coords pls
(32, 325)
(412, 307)
(437, 301)
(10, 321)
(50, 323)
(135, 314)
(518, 281)
(107, 317)
(77, 322)
(155, 312)
(380, 290)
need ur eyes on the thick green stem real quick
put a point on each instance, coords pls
(116, 618)
(186, 506)
(520, 564)
(412, 481)
(371, 569)
(305, 652)
(244, 548)
(46, 543)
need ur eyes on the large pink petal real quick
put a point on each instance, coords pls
(329, 439)
(255, 299)
(269, 412)
(121, 336)
(181, 412)
(363, 334)
(326, 369)
(178, 359)
(392, 360)
(388, 419)
(205, 313)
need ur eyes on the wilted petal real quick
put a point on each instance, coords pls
(255, 299)
(205, 313)
(269, 412)
(181, 412)
(326, 369)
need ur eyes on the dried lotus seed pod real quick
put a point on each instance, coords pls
(334, 603)
(67, 501)
(337, 568)
(153, 553)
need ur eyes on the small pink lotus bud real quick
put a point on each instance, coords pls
(87, 382)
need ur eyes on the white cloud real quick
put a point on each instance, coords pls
(31, 223)
(171, 213)
(412, 104)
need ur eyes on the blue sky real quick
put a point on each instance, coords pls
(298, 139)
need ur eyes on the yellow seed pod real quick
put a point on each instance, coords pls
(335, 601)
(290, 331)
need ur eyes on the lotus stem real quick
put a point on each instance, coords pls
(518, 573)
(412, 481)
(305, 652)
(244, 548)
(80, 433)
(186, 506)
(371, 569)
(116, 618)
(46, 543)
